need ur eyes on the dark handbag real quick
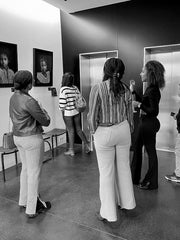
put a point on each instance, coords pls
(80, 102)
(8, 141)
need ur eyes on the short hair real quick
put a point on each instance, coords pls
(155, 73)
(22, 79)
(68, 79)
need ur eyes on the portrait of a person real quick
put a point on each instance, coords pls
(44, 75)
(6, 74)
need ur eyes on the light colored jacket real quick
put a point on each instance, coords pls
(26, 114)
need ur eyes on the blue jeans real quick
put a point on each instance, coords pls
(73, 123)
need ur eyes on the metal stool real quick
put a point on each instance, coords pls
(54, 133)
(46, 140)
(6, 151)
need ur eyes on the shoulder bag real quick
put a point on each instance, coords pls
(80, 102)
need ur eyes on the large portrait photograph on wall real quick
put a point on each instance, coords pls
(42, 67)
(8, 63)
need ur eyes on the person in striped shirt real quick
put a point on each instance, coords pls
(110, 120)
(71, 116)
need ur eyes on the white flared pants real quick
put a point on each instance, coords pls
(31, 150)
(112, 146)
(177, 153)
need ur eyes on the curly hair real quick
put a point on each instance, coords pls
(155, 73)
(67, 80)
(114, 69)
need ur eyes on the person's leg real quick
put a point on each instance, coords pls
(77, 121)
(177, 154)
(175, 176)
(34, 157)
(105, 158)
(23, 174)
(71, 131)
(123, 172)
(152, 173)
(136, 163)
(149, 136)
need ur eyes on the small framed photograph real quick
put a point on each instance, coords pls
(8, 63)
(42, 67)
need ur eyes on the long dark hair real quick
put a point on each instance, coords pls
(114, 69)
(67, 80)
(155, 73)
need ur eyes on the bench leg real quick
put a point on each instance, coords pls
(52, 145)
(3, 170)
(16, 158)
(50, 148)
(56, 140)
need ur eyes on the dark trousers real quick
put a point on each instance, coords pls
(73, 124)
(146, 136)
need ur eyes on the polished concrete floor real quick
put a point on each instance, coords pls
(71, 184)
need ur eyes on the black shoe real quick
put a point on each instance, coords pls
(146, 186)
(40, 207)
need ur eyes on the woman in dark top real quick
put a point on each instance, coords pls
(149, 125)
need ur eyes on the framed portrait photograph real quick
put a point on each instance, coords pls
(8, 63)
(42, 67)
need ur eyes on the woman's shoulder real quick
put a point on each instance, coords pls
(64, 88)
(153, 88)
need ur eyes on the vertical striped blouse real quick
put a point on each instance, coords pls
(66, 100)
(104, 111)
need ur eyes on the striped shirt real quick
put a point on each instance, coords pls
(104, 111)
(66, 100)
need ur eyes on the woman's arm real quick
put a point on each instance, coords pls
(129, 110)
(37, 112)
(94, 105)
(62, 99)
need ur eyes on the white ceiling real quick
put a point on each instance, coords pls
(71, 6)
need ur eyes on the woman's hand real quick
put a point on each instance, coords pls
(135, 104)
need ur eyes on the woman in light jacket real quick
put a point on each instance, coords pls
(28, 118)
(110, 119)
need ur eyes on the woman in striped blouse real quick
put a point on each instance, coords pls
(70, 115)
(110, 119)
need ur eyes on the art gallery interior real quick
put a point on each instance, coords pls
(80, 41)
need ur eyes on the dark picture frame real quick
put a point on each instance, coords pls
(42, 67)
(8, 63)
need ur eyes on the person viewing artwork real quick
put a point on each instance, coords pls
(6, 74)
(71, 116)
(28, 117)
(44, 75)
(153, 75)
(110, 119)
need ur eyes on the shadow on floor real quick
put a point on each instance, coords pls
(71, 184)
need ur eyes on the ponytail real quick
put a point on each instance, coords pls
(114, 70)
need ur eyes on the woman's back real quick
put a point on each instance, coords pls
(66, 100)
(105, 109)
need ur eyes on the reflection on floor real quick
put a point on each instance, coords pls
(71, 184)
